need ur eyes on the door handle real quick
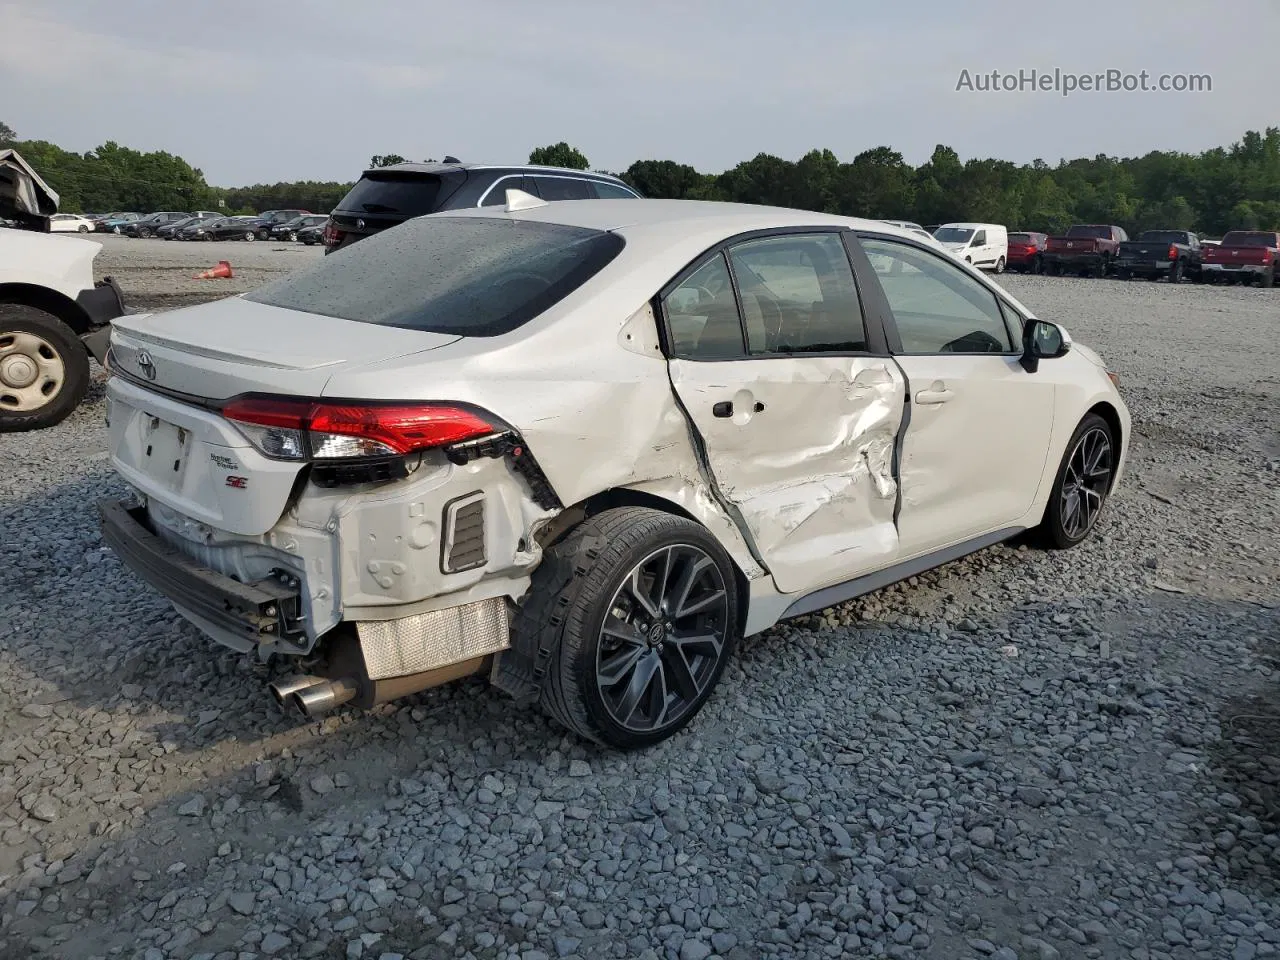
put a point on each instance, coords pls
(937, 393)
(723, 409)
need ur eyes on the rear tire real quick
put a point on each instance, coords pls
(606, 603)
(1000, 265)
(1267, 279)
(143, 233)
(44, 369)
(82, 229)
(1081, 487)
(1175, 271)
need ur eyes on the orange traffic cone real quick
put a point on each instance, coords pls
(221, 271)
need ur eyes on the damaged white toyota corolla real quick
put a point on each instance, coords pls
(587, 446)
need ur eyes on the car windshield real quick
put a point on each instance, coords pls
(471, 276)
(953, 234)
(1098, 233)
(1163, 236)
(403, 194)
(1249, 238)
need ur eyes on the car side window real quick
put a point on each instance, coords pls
(937, 307)
(611, 191)
(979, 239)
(497, 195)
(702, 314)
(563, 188)
(798, 294)
(1014, 321)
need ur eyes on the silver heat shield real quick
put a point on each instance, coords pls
(426, 641)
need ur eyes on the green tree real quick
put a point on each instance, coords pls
(386, 159)
(559, 155)
(7, 134)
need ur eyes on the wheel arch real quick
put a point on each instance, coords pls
(50, 301)
(560, 525)
(1111, 415)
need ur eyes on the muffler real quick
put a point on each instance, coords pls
(317, 698)
(282, 690)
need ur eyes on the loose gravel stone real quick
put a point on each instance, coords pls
(1023, 754)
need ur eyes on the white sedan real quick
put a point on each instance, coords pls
(586, 446)
(70, 223)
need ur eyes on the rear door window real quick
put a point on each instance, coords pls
(497, 195)
(469, 276)
(611, 191)
(562, 188)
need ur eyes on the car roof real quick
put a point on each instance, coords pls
(970, 226)
(678, 216)
(532, 168)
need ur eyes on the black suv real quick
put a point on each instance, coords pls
(386, 196)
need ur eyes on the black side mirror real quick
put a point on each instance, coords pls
(1042, 340)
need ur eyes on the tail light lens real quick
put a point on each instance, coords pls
(1173, 252)
(331, 234)
(285, 428)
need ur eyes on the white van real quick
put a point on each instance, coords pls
(984, 245)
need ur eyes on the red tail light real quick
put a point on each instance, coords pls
(292, 429)
(1173, 252)
(331, 235)
(1266, 256)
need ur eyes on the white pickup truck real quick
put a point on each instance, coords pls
(53, 315)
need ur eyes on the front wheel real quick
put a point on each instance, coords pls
(1082, 485)
(44, 369)
(82, 229)
(250, 237)
(639, 612)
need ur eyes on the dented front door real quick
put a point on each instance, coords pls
(803, 448)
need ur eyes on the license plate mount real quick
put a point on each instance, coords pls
(164, 450)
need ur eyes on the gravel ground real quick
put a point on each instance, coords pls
(1020, 755)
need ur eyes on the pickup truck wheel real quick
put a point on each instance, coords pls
(44, 369)
(1081, 487)
(1100, 270)
(1122, 273)
(1175, 271)
(1267, 279)
(1054, 269)
(639, 611)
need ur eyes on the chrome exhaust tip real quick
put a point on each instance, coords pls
(282, 690)
(315, 699)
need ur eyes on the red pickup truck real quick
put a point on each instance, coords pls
(1086, 249)
(1244, 256)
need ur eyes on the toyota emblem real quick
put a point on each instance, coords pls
(146, 364)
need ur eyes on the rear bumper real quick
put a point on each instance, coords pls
(1141, 265)
(1234, 268)
(1071, 258)
(252, 613)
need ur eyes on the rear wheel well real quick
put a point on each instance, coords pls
(611, 499)
(1109, 413)
(50, 301)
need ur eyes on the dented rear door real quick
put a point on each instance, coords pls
(797, 414)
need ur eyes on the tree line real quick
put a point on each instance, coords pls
(1231, 187)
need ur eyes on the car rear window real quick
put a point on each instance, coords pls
(470, 276)
(1163, 236)
(401, 194)
(1020, 238)
(1249, 238)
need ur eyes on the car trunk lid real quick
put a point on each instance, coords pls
(218, 350)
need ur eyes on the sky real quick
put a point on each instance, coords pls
(260, 91)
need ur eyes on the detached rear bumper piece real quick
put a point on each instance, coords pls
(102, 304)
(251, 612)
